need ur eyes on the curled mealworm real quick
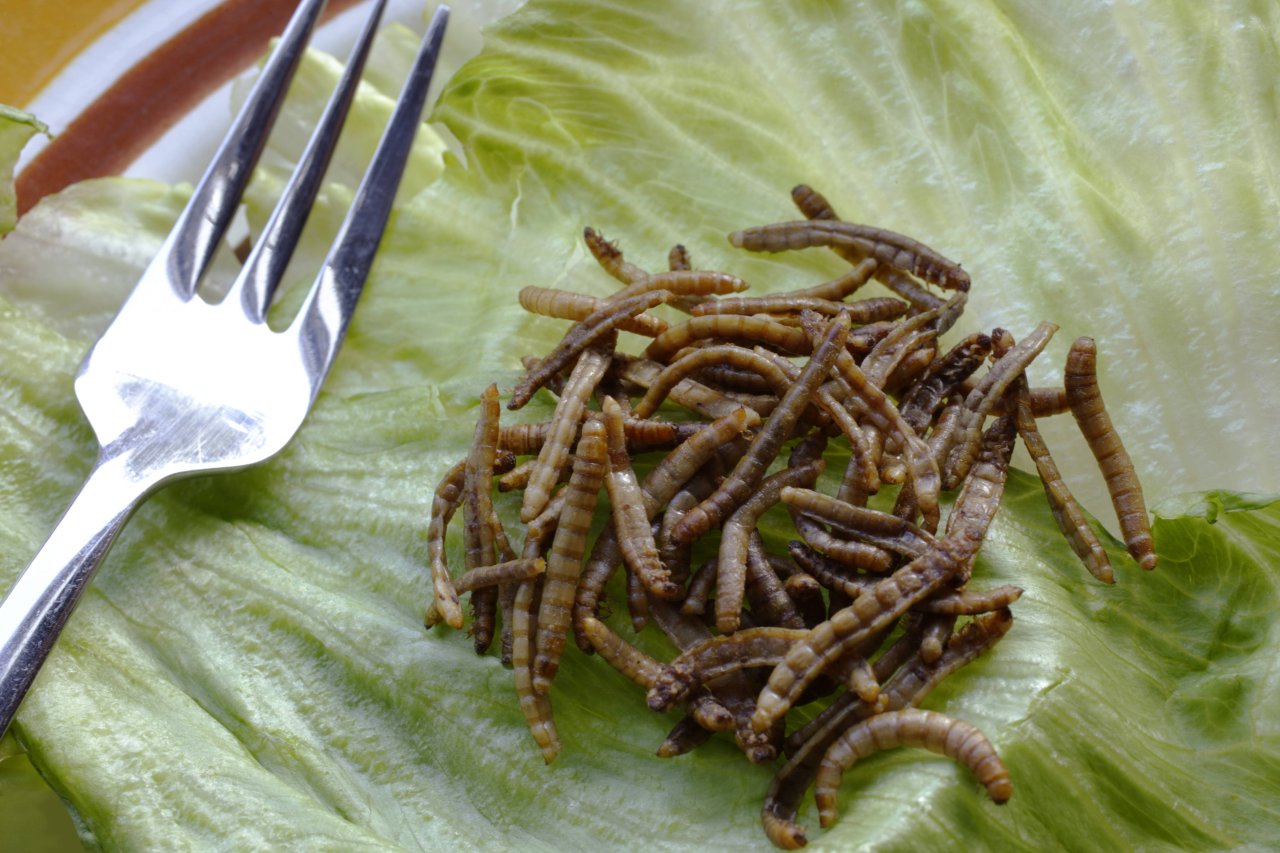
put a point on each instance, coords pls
(888, 247)
(535, 707)
(725, 354)
(698, 593)
(1066, 512)
(910, 727)
(444, 603)
(567, 305)
(1085, 399)
(862, 311)
(630, 518)
(980, 401)
(565, 421)
(600, 324)
(908, 336)
(729, 327)
(746, 475)
(621, 655)
(564, 563)
(731, 564)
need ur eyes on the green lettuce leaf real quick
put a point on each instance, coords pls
(16, 127)
(249, 670)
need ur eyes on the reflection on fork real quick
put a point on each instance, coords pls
(178, 387)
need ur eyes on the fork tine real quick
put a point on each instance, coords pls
(190, 245)
(323, 318)
(265, 266)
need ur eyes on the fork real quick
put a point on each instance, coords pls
(178, 386)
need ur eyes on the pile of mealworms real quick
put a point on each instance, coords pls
(734, 410)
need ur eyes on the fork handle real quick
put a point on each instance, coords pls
(34, 612)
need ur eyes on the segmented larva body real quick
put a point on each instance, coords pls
(508, 571)
(724, 354)
(706, 401)
(596, 326)
(565, 421)
(684, 283)
(621, 655)
(685, 736)
(854, 555)
(919, 405)
(749, 471)
(933, 639)
(936, 732)
(750, 647)
(610, 258)
(862, 311)
(1085, 399)
(564, 563)
(888, 247)
(631, 521)
(765, 590)
(729, 327)
(842, 286)
(478, 515)
(642, 435)
(969, 602)
(567, 305)
(444, 603)
(811, 203)
(535, 707)
(873, 527)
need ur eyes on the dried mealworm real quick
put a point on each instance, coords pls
(477, 508)
(857, 555)
(637, 602)
(862, 311)
(749, 471)
(811, 203)
(509, 571)
(750, 647)
(908, 336)
(867, 525)
(806, 593)
(888, 247)
(968, 602)
(731, 565)
(535, 707)
(980, 495)
(567, 305)
(829, 572)
(685, 736)
(981, 399)
(444, 602)
(610, 258)
(600, 324)
(564, 563)
(729, 327)
(631, 521)
(678, 258)
(907, 287)
(910, 727)
(726, 377)
(868, 615)
(843, 286)
(937, 630)
(924, 398)
(916, 678)
(1066, 512)
(698, 593)
(1085, 399)
(725, 354)
(684, 283)
(620, 654)
(642, 435)
(565, 421)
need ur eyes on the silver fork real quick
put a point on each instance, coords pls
(178, 387)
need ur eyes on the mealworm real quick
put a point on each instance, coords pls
(862, 311)
(806, 593)
(908, 288)
(982, 398)
(731, 564)
(444, 603)
(829, 573)
(535, 707)
(750, 647)
(684, 283)
(698, 592)
(1085, 400)
(477, 509)
(936, 732)
(866, 525)
(509, 571)
(610, 258)
(980, 495)
(909, 335)
(746, 475)
(631, 521)
(811, 203)
(642, 435)
(920, 403)
(678, 258)
(598, 325)
(855, 555)
(564, 563)
(621, 655)
(867, 615)
(768, 597)
(725, 354)
(888, 247)
(687, 392)
(567, 305)
(741, 328)
(968, 602)
(1066, 512)
(726, 377)
(637, 601)
(842, 286)
(916, 678)
(565, 422)
(677, 556)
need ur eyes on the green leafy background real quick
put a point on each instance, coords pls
(249, 670)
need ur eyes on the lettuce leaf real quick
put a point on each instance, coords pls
(249, 671)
